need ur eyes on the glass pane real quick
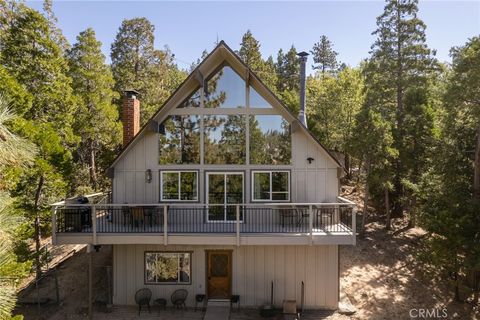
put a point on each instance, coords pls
(218, 265)
(257, 101)
(193, 101)
(184, 267)
(270, 140)
(181, 142)
(226, 89)
(216, 195)
(234, 194)
(150, 263)
(166, 267)
(279, 181)
(188, 182)
(170, 186)
(261, 186)
(225, 139)
(281, 196)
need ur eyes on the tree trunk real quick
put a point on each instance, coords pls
(93, 169)
(476, 177)
(365, 200)
(37, 235)
(387, 210)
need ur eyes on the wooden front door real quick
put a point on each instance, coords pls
(219, 274)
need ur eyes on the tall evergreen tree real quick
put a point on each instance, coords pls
(400, 65)
(93, 84)
(249, 52)
(137, 65)
(324, 56)
(34, 59)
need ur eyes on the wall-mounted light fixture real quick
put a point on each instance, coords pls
(310, 159)
(148, 175)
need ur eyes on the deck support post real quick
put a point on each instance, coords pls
(165, 227)
(238, 224)
(94, 224)
(90, 281)
(354, 225)
(54, 225)
(310, 223)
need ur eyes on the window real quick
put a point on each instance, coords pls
(225, 138)
(226, 89)
(181, 142)
(271, 185)
(178, 186)
(270, 140)
(257, 101)
(168, 268)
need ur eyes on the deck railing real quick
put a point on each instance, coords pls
(280, 218)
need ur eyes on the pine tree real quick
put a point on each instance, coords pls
(137, 65)
(324, 56)
(33, 58)
(401, 65)
(249, 52)
(93, 84)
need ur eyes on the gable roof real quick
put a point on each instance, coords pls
(222, 52)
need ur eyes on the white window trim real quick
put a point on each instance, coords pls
(224, 173)
(178, 282)
(179, 172)
(270, 192)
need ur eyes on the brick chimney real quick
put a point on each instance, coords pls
(130, 115)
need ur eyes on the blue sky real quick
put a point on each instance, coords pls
(190, 27)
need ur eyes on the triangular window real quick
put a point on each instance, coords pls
(257, 101)
(226, 89)
(193, 101)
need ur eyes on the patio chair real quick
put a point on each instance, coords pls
(178, 298)
(127, 215)
(142, 298)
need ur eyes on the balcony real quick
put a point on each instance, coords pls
(239, 224)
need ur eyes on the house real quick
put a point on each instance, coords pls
(223, 192)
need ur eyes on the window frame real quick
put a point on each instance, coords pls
(270, 192)
(179, 172)
(178, 283)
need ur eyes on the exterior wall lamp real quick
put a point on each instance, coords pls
(148, 175)
(310, 159)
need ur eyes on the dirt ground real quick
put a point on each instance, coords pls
(379, 276)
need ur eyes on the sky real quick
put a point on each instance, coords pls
(188, 28)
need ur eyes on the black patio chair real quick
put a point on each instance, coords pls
(142, 298)
(178, 298)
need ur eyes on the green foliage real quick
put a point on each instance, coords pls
(93, 84)
(249, 52)
(449, 208)
(136, 64)
(324, 56)
(34, 59)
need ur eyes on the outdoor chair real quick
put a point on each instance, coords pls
(142, 298)
(178, 298)
(127, 215)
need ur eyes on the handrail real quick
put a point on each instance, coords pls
(175, 204)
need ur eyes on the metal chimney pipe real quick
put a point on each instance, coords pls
(302, 115)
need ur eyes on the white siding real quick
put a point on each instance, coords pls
(254, 267)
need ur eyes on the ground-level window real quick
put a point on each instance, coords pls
(271, 185)
(168, 267)
(178, 185)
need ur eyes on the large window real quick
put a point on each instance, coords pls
(270, 185)
(226, 89)
(181, 142)
(168, 268)
(179, 185)
(225, 139)
(270, 140)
